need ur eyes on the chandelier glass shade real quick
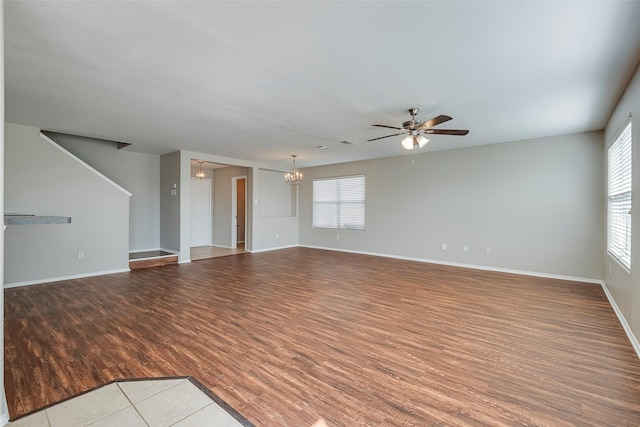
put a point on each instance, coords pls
(294, 177)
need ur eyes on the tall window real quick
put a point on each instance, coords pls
(339, 203)
(619, 198)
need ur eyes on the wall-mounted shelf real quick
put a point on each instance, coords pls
(25, 219)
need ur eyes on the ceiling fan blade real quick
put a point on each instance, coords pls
(446, 132)
(385, 126)
(382, 137)
(434, 122)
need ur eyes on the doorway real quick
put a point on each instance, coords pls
(238, 211)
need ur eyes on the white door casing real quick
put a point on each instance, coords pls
(234, 209)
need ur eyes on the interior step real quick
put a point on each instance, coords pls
(147, 259)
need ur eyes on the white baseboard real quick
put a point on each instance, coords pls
(621, 318)
(275, 249)
(171, 251)
(61, 278)
(184, 261)
(221, 246)
(462, 265)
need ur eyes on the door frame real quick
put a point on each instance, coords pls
(234, 209)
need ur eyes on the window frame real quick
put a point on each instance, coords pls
(620, 249)
(339, 202)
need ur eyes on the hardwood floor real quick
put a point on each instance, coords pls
(198, 253)
(289, 336)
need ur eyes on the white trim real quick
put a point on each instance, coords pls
(152, 257)
(219, 246)
(234, 209)
(457, 264)
(277, 248)
(623, 321)
(84, 164)
(184, 261)
(167, 250)
(4, 418)
(171, 251)
(61, 278)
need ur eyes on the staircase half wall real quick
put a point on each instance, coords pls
(42, 178)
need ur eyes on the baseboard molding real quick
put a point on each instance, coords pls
(221, 246)
(463, 265)
(275, 249)
(621, 318)
(171, 251)
(184, 261)
(61, 278)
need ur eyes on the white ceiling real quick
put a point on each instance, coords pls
(260, 81)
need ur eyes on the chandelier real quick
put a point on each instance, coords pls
(294, 177)
(201, 174)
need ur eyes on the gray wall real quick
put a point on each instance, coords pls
(137, 172)
(41, 179)
(170, 203)
(625, 285)
(278, 198)
(537, 204)
(277, 220)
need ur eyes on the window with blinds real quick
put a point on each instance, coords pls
(619, 197)
(339, 203)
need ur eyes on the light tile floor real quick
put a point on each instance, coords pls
(145, 403)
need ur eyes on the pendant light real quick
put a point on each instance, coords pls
(294, 177)
(201, 174)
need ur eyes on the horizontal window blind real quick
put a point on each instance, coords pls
(339, 203)
(619, 198)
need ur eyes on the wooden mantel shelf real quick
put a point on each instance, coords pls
(24, 219)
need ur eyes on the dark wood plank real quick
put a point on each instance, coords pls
(289, 336)
(136, 264)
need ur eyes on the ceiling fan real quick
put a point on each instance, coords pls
(416, 129)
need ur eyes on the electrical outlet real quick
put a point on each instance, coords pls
(444, 246)
(81, 255)
(487, 250)
(465, 248)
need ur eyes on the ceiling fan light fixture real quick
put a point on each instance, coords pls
(412, 141)
(422, 141)
(407, 143)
